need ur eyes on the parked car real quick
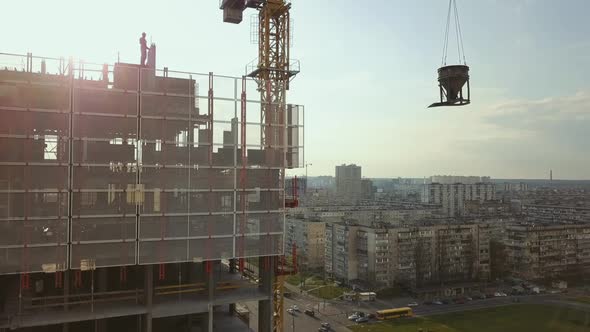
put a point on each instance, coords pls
(437, 302)
(428, 303)
(413, 304)
(295, 308)
(291, 311)
(323, 329)
(326, 325)
(309, 312)
(445, 301)
(460, 301)
(469, 298)
(362, 319)
(353, 317)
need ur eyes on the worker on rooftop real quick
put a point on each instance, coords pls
(144, 49)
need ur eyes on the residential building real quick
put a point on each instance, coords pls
(452, 197)
(367, 189)
(556, 213)
(521, 186)
(536, 251)
(382, 255)
(340, 251)
(451, 179)
(308, 236)
(348, 182)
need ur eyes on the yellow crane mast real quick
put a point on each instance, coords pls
(272, 71)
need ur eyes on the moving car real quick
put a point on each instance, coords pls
(295, 308)
(362, 319)
(309, 312)
(326, 325)
(323, 329)
(291, 311)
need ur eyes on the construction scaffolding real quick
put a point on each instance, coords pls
(105, 166)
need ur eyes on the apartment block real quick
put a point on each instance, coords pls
(308, 236)
(415, 256)
(348, 182)
(548, 251)
(541, 213)
(452, 197)
(521, 186)
(450, 179)
(341, 259)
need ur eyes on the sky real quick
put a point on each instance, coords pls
(368, 72)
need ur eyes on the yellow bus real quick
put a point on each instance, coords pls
(395, 313)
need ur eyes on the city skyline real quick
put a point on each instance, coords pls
(365, 97)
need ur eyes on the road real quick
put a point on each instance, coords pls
(336, 312)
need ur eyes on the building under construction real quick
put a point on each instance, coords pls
(131, 198)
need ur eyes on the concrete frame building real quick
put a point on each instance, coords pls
(536, 251)
(308, 236)
(383, 255)
(452, 197)
(128, 199)
(348, 182)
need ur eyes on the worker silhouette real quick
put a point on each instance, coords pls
(144, 49)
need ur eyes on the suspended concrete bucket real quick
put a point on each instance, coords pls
(451, 80)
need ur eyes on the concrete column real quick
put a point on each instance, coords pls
(211, 279)
(189, 323)
(210, 318)
(102, 283)
(233, 265)
(265, 307)
(148, 294)
(232, 309)
(233, 268)
(66, 275)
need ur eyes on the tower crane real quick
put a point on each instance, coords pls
(272, 71)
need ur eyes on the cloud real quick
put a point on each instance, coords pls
(528, 134)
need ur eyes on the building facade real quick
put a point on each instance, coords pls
(308, 237)
(348, 182)
(341, 259)
(122, 185)
(548, 251)
(382, 256)
(452, 197)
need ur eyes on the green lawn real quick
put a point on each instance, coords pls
(294, 279)
(517, 318)
(581, 299)
(327, 292)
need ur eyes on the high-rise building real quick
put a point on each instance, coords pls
(548, 251)
(382, 255)
(452, 197)
(124, 189)
(348, 182)
(341, 259)
(308, 236)
(367, 189)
